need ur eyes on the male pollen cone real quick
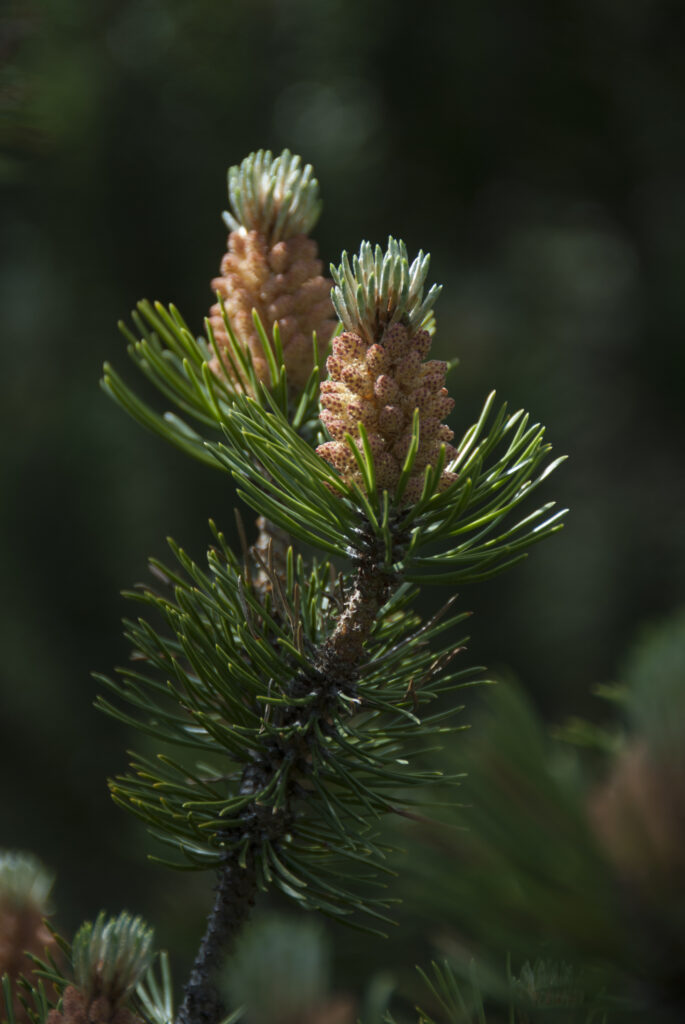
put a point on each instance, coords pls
(79, 1009)
(638, 814)
(380, 385)
(22, 931)
(284, 284)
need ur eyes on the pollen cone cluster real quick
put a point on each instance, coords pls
(24, 889)
(272, 267)
(284, 284)
(109, 958)
(78, 1008)
(380, 385)
(639, 817)
(21, 929)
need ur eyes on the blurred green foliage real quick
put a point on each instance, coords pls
(536, 150)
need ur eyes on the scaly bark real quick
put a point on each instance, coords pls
(235, 895)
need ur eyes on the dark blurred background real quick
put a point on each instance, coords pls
(536, 150)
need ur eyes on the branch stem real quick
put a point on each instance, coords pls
(235, 895)
(371, 587)
(338, 660)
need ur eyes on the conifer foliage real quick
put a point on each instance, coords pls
(297, 693)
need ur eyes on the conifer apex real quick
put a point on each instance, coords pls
(271, 268)
(276, 196)
(378, 289)
(110, 956)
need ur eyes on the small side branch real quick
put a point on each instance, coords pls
(271, 548)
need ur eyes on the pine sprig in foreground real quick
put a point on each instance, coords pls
(309, 749)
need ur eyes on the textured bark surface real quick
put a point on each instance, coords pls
(235, 895)
(370, 590)
(372, 585)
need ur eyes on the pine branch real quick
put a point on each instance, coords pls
(310, 696)
(315, 743)
(337, 660)
(309, 780)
